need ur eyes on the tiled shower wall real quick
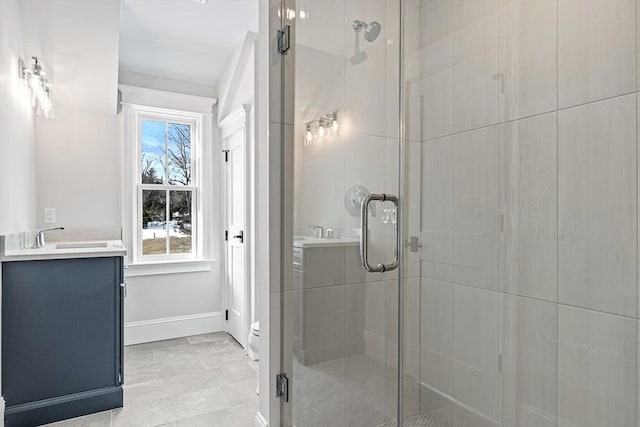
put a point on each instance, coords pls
(529, 228)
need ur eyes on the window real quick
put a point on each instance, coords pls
(167, 185)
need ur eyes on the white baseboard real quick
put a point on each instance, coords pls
(172, 327)
(260, 421)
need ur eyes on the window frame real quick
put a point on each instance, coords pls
(136, 187)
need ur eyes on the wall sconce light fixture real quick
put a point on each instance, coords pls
(322, 128)
(40, 87)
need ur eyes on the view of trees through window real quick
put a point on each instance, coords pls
(167, 200)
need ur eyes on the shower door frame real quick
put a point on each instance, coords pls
(282, 37)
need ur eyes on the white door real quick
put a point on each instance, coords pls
(236, 274)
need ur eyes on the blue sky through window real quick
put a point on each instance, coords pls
(153, 147)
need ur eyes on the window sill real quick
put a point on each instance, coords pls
(168, 267)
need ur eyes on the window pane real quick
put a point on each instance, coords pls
(180, 223)
(179, 153)
(154, 234)
(153, 152)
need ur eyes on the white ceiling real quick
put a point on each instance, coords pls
(183, 39)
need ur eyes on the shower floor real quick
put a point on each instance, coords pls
(416, 419)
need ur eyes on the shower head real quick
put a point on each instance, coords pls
(371, 30)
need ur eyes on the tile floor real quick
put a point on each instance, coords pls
(204, 380)
(354, 391)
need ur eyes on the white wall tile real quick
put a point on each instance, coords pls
(437, 36)
(597, 206)
(354, 315)
(529, 347)
(528, 203)
(412, 326)
(391, 29)
(475, 208)
(436, 348)
(596, 50)
(437, 104)
(596, 369)
(437, 69)
(475, 64)
(322, 26)
(528, 57)
(412, 111)
(322, 179)
(375, 318)
(354, 273)
(412, 38)
(475, 350)
(322, 313)
(316, 262)
(412, 206)
(367, 77)
(319, 83)
(437, 209)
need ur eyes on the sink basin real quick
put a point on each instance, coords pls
(81, 245)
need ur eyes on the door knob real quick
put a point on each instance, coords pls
(240, 236)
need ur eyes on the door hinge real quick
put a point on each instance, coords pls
(283, 39)
(123, 286)
(226, 155)
(226, 315)
(226, 235)
(282, 387)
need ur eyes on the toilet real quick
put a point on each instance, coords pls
(253, 349)
(253, 346)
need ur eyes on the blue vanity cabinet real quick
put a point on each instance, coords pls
(62, 338)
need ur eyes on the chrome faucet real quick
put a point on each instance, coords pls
(39, 237)
(318, 231)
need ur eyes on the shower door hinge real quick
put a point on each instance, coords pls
(414, 244)
(282, 387)
(283, 39)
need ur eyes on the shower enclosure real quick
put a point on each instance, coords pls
(488, 149)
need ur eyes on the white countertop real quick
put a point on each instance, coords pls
(108, 248)
(314, 242)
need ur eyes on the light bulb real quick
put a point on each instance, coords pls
(335, 126)
(291, 14)
(308, 137)
(46, 103)
(321, 132)
(35, 82)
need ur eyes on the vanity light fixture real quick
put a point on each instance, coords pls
(40, 87)
(322, 128)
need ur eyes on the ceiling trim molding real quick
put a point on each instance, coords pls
(134, 95)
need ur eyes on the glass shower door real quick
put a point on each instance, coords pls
(517, 172)
(340, 135)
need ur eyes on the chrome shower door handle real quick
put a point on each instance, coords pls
(364, 233)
